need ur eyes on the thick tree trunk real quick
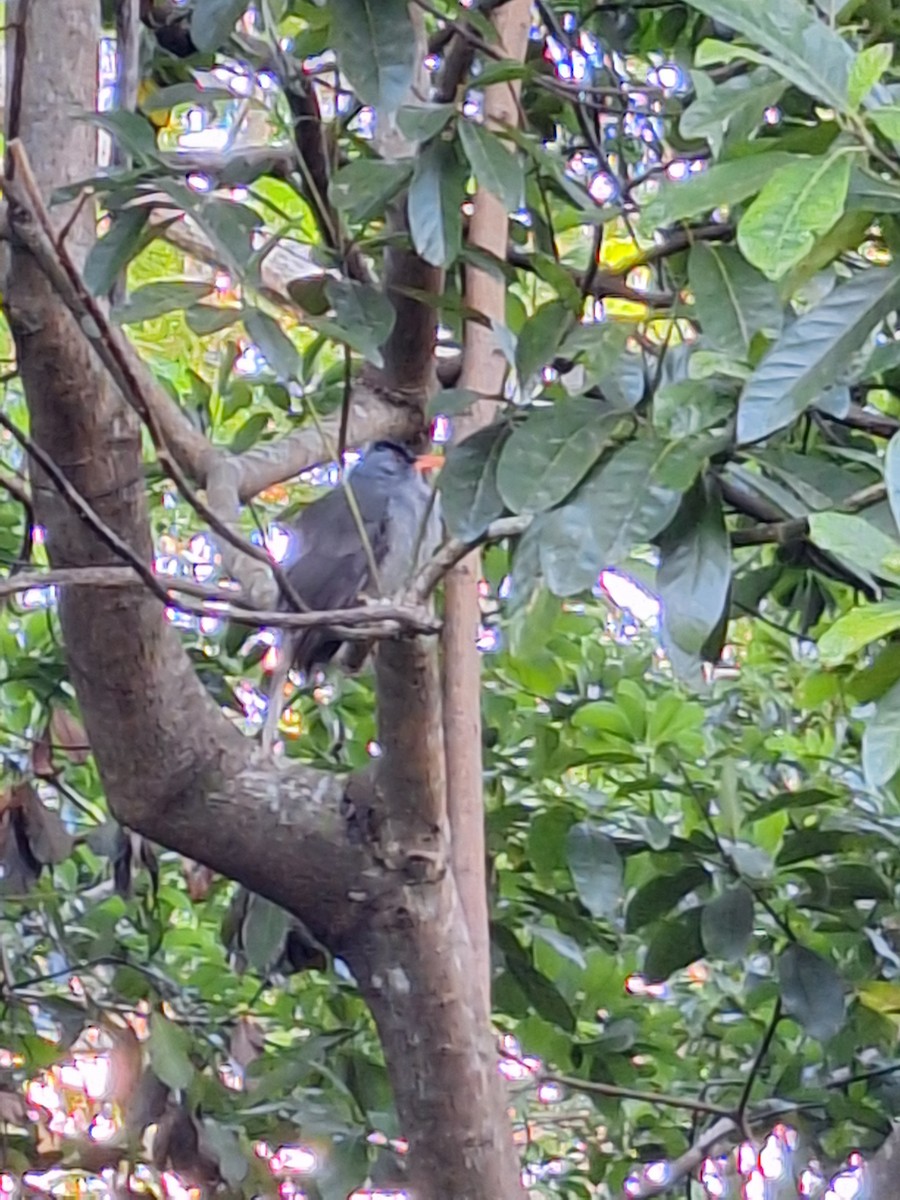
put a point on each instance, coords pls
(175, 769)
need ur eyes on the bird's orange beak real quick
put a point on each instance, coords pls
(428, 462)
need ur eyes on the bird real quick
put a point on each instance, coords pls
(332, 565)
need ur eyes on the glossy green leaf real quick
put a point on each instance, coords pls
(596, 868)
(866, 69)
(468, 483)
(858, 541)
(675, 944)
(364, 312)
(110, 254)
(811, 992)
(799, 202)
(277, 348)
(155, 299)
(733, 300)
(813, 352)
(722, 184)
(375, 44)
(213, 21)
(856, 629)
(694, 573)
(549, 454)
(169, 1052)
(435, 196)
(624, 502)
(881, 740)
(496, 168)
(809, 54)
(362, 189)
(726, 924)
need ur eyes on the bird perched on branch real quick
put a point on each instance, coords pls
(364, 539)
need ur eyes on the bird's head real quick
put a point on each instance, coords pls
(392, 460)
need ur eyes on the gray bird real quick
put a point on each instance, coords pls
(331, 566)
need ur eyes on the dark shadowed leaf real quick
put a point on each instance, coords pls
(212, 22)
(264, 933)
(660, 895)
(227, 1152)
(814, 351)
(496, 168)
(375, 44)
(169, 1045)
(111, 254)
(799, 202)
(435, 196)
(362, 189)
(451, 401)
(694, 572)
(249, 432)
(551, 452)
(733, 300)
(881, 740)
(811, 991)
(726, 924)
(676, 943)
(468, 483)
(48, 839)
(155, 299)
(277, 348)
(596, 867)
(364, 312)
(539, 338)
(204, 319)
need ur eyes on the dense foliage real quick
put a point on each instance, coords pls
(693, 830)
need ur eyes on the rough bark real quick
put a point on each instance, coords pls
(483, 370)
(173, 767)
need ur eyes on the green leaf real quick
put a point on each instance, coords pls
(856, 629)
(155, 299)
(131, 131)
(435, 196)
(892, 476)
(660, 895)
(248, 434)
(362, 189)
(213, 21)
(811, 992)
(799, 202)
(866, 70)
(886, 120)
(365, 313)
(169, 1053)
(549, 454)
(733, 300)
(494, 166)
(263, 933)
(451, 401)
(722, 184)
(803, 48)
(734, 107)
(814, 351)
(539, 339)
(694, 573)
(565, 946)
(468, 483)
(277, 348)
(110, 254)
(624, 502)
(726, 924)
(232, 1162)
(189, 92)
(422, 122)
(881, 740)
(858, 541)
(596, 868)
(676, 943)
(204, 319)
(375, 44)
